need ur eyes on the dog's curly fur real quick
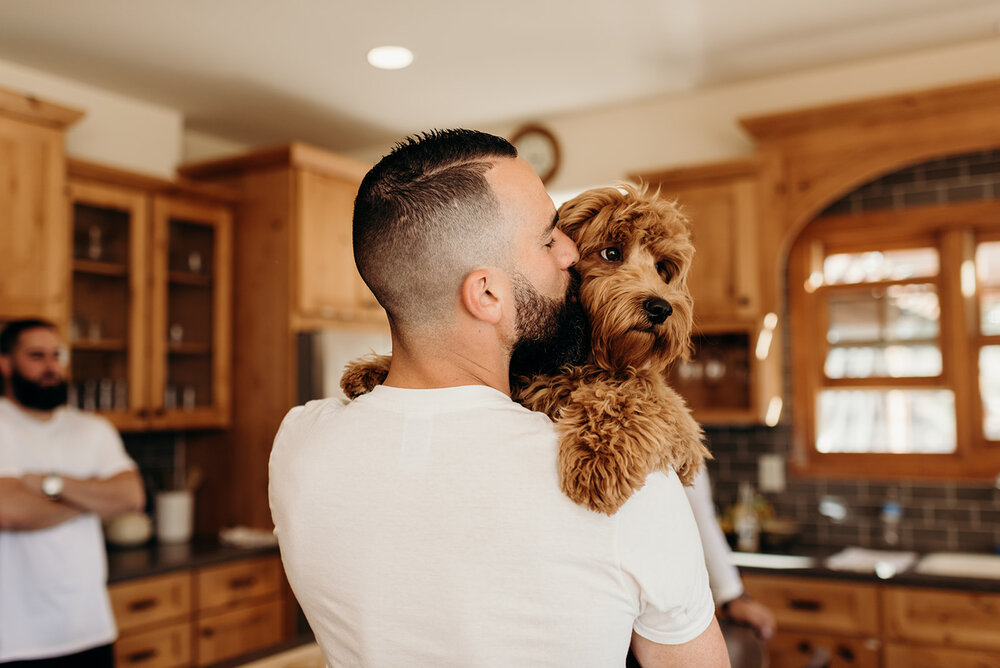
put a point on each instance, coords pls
(618, 419)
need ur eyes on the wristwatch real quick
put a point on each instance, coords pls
(52, 486)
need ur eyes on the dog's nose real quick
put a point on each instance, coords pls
(657, 310)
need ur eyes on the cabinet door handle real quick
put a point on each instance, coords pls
(140, 656)
(142, 604)
(207, 632)
(805, 604)
(242, 583)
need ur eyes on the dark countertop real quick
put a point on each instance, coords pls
(159, 558)
(907, 578)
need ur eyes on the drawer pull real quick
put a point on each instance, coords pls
(805, 604)
(142, 604)
(242, 583)
(207, 632)
(138, 657)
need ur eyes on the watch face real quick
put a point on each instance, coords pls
(52, 485)
(539, 149)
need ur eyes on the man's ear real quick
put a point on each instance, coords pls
(5, 366)
(483, 294)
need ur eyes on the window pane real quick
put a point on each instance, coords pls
(884, 315)
(989, 387)
(988, 278)
(893, 265)
(890, 361)
(896, 421)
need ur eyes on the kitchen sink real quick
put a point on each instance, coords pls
(960, 564)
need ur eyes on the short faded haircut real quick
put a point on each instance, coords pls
(425, 217)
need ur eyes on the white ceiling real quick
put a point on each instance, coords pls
(268, 71)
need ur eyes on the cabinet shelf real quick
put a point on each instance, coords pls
(98, 268)
(192, 348)
(100, 345)
(188, 278)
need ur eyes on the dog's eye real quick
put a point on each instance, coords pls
(666, 269)
(611, 254)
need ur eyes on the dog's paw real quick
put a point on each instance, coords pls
(364, 374)
(599, 465)
(594, 484)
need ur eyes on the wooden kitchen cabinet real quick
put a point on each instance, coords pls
(34, 243)
(199, 617)
(961, 625)
(239, 609)
(735, 375)
(819, 618)
(151, 300)
(294, 265)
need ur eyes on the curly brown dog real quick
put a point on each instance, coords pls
(618, 420)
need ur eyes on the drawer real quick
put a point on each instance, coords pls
(941, 617)
(911, 656)
(167, 647)
(825, 606)
(139, 603)
(795, 650)
(225, 635)
(237, 582)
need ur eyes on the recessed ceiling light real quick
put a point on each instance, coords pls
(390, 57)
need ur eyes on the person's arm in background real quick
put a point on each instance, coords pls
(723, 576)
(107, 497)
(23, 509)
(706, 651)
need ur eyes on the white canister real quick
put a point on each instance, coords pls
(175, 516)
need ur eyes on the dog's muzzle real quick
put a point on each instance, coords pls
(657, 310)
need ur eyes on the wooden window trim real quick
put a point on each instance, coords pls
(954, 230)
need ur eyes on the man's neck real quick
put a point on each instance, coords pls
(35, 413)
(442, 365)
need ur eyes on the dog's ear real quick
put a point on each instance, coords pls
(575, 214)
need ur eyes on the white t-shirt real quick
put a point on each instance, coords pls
(53, 591)
(723, 577)
(427, 528)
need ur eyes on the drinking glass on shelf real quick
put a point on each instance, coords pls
(94, 329)
(188, 397)
(95, 247)
(194, 262)
(105, 394)
(170, 397)
(176, 333)
(121, 395)
(89, 401)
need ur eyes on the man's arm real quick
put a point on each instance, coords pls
(706, 651)
(22, 509)
(106, 497)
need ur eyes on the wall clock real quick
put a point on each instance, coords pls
(539, 148)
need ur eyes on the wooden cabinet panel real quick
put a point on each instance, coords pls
(227, 634)
(795, 650)
(328, 282)
(34, 244)
(817, 605)
(139, 603)
(898, 655)
(237, 582)
(166, 647)
(942, 617)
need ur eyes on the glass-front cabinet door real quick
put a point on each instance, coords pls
(190, 313)
(107, 330)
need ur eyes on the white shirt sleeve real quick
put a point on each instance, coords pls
(10, 466)
(112, 458)
(661, 556)
(723, 577)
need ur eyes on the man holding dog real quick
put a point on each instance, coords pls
(422, 524)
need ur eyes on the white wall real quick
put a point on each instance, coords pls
(117, 131)
(601, 146)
